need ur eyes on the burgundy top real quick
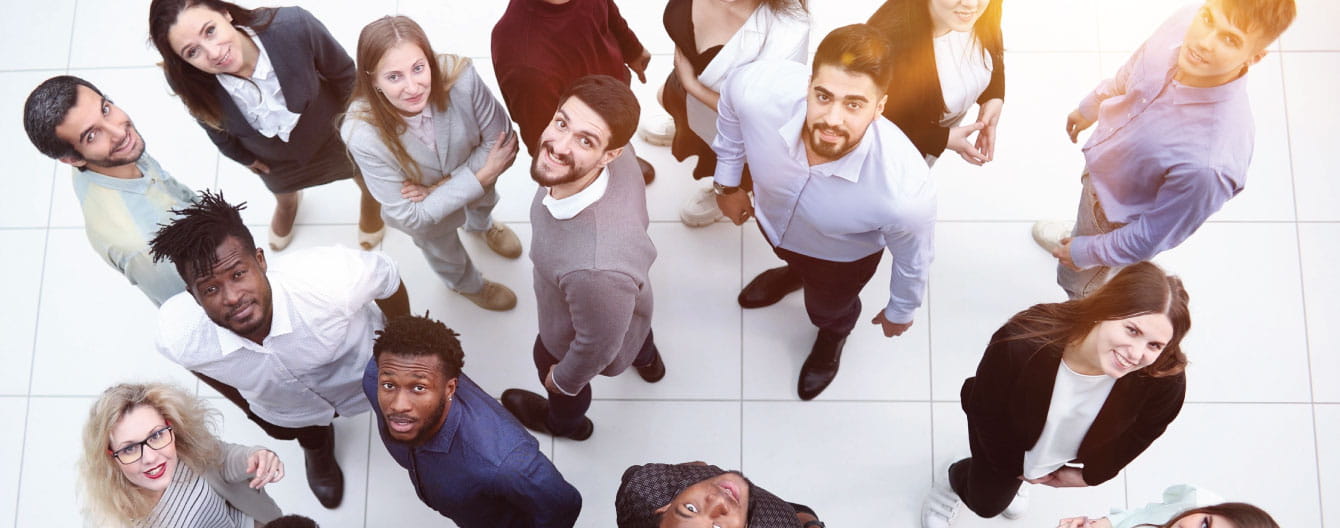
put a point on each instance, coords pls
(539, 49)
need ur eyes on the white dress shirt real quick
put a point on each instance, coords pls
(311, 365)
(1076, 400)
(878, 195)
(566, 208)
(260, 97)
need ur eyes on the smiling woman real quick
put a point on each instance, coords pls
(151, 459)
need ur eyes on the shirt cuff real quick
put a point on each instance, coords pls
(1088, 107)
(1082, 252)
(729, 173)
(899, 316)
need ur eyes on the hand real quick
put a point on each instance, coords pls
(549, 381)
(414, 192)
(1065, 477)
(639, 65)
(499, 159)
(266, 467)
(988, 115)
(958, 142)
(1062, 253)
(259, 167)
(736, 206)
(1076, 123)
(890, 328)
(1073, 522)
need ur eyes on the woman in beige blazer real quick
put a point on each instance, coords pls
(431, 142)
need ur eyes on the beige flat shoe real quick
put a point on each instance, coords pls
(502, 240)
(492, 296)
(367, 240)
(278, 243)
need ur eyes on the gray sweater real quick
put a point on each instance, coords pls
(591, 278)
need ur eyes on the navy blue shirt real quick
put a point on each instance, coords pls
(481, 469)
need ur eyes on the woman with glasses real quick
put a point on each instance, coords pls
(151, 460)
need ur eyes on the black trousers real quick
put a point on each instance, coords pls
(985, 491)
(832, 289)
(310, 437)
(566, 412)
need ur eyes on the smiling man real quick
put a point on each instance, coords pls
(695, 494)
(1173, 142)
(122, 191)
(467, 457)
(834, 185)
(286, 341)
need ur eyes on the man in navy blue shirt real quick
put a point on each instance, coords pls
(466, 455)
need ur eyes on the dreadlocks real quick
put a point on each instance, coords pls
(418, 336)
(194, 237)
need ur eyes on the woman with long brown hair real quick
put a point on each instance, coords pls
(1091, 381)
(1183, 506)
(432, 140)
(267, 85)
(948, 54)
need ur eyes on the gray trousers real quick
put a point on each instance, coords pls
(1090, 220)
(447, 256)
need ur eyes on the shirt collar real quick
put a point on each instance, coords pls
(847, 167)
(149, 174)
(280, 322)
(567, 208)
(1183, 94)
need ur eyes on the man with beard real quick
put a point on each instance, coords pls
(592, 256)
(286, 341)
(122, 191)
(468, 458)
(833, 186)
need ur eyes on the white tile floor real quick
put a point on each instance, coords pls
(1262, 423)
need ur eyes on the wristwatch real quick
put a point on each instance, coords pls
(722, 190)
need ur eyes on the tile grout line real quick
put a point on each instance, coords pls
(930, 377)
(740, 286)
(367, 473)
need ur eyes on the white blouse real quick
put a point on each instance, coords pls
(1076, 400)
(965, 72)
(260, 97)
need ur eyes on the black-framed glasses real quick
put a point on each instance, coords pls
(158, 439)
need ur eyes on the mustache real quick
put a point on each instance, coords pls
(819, 127)
(566, 159)
(400, 417)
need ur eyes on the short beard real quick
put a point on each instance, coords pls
(430, 426)
(111, 163)
(827, 150)
(574, 172)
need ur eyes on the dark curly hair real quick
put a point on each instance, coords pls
(418, 336)
(191, 240)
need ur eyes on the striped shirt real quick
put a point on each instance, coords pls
(190, 501)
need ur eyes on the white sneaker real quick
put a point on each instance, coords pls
(1019, 506)
(1048, 233)
(658, 130)
(941, 508)
(701, 209)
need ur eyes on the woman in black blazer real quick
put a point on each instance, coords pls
(964, 33)
(1124, 338)
(232, 67)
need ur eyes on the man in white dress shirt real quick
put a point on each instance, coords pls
(286, 342)
(833, 186)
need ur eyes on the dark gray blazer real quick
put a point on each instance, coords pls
(317, 78)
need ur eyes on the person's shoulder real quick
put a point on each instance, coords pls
(286, 16)
(182, 325)
(768, 82)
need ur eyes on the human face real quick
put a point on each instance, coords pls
(404, 77)
(719, 502)
(1204, 520)
(153, 471)
(414, 396)
(1118, 347)
(955, 15)
(236, 293)
(572, 147)
(207, 40)
(100, 132)
(840, 107)
(1215, 51)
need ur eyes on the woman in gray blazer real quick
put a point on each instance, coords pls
(431, 141)
(151, 459)
(266, 85)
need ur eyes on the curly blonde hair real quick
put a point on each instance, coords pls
(110, 498)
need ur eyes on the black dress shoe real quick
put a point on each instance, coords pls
(648, 172)
(324, 475)
(822, 365)
(654, 372)
(769, 287)
(532, 409)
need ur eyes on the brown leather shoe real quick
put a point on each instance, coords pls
(502, 240)
(492, 296)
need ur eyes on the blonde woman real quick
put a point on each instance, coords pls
(151, 459)
(431, 141)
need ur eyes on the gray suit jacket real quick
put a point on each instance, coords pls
(464, 132)
(317, 78)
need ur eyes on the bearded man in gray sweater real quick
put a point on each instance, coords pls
(592, 254)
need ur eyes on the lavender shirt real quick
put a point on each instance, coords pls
(1164, 156)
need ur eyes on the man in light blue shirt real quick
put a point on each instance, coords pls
(833, 186)
(122, 191)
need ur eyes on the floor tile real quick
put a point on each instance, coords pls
(777, 339)
(86, 311)
(827, 16)
(51, 451)
(1269, 193)
(31, 202)
(1328, 461)
(1050, 25)
(632, 433)
(1229, 327)
(838, 459)
(1319, 245)
(112, 34)
(464, 29)
(14, 412)
(1124, 26)
(1270, 461)
(44, 40)
(1309, 79)
(1312, 29)
(18, 317)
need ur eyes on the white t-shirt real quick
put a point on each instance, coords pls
(1076, 400)
(965, 72)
